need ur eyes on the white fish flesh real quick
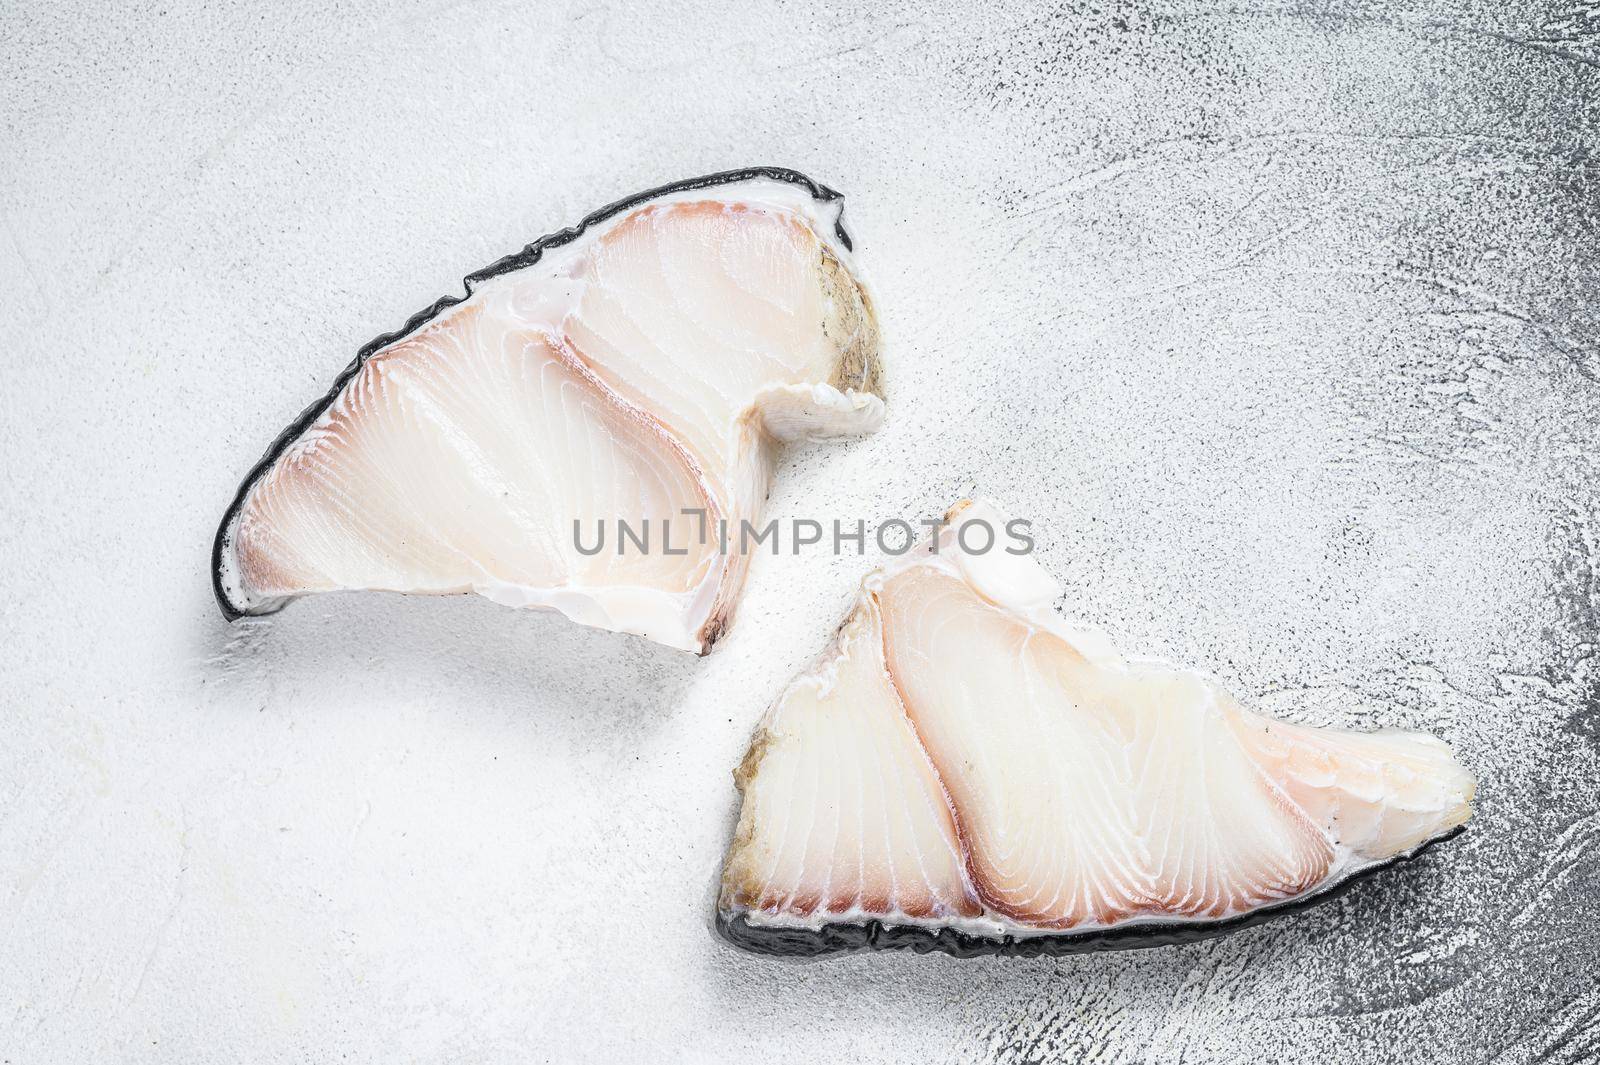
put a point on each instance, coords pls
(964, 769)
(641, 367)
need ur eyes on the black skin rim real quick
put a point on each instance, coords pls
(510, 263)
(876, 935)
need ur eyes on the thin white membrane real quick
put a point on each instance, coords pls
(651, 365)
(1098, 828)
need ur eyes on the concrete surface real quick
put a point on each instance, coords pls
(1279, 319)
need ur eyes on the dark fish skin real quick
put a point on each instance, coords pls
(529, 255)
(876, 935)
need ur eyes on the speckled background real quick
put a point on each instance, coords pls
(1281, 320)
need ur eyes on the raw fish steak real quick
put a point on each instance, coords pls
(641, 367)
(964, 769)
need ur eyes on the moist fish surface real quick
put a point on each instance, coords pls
(964, 769)
(640, 369)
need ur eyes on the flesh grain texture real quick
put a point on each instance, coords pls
(648, 364)
(964, 759)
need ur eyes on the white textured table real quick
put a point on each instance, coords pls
(1284, 327)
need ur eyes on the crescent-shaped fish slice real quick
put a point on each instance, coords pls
(965, 770)
(642, 367)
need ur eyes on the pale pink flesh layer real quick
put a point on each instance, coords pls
(630, 378)
(957, 760)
